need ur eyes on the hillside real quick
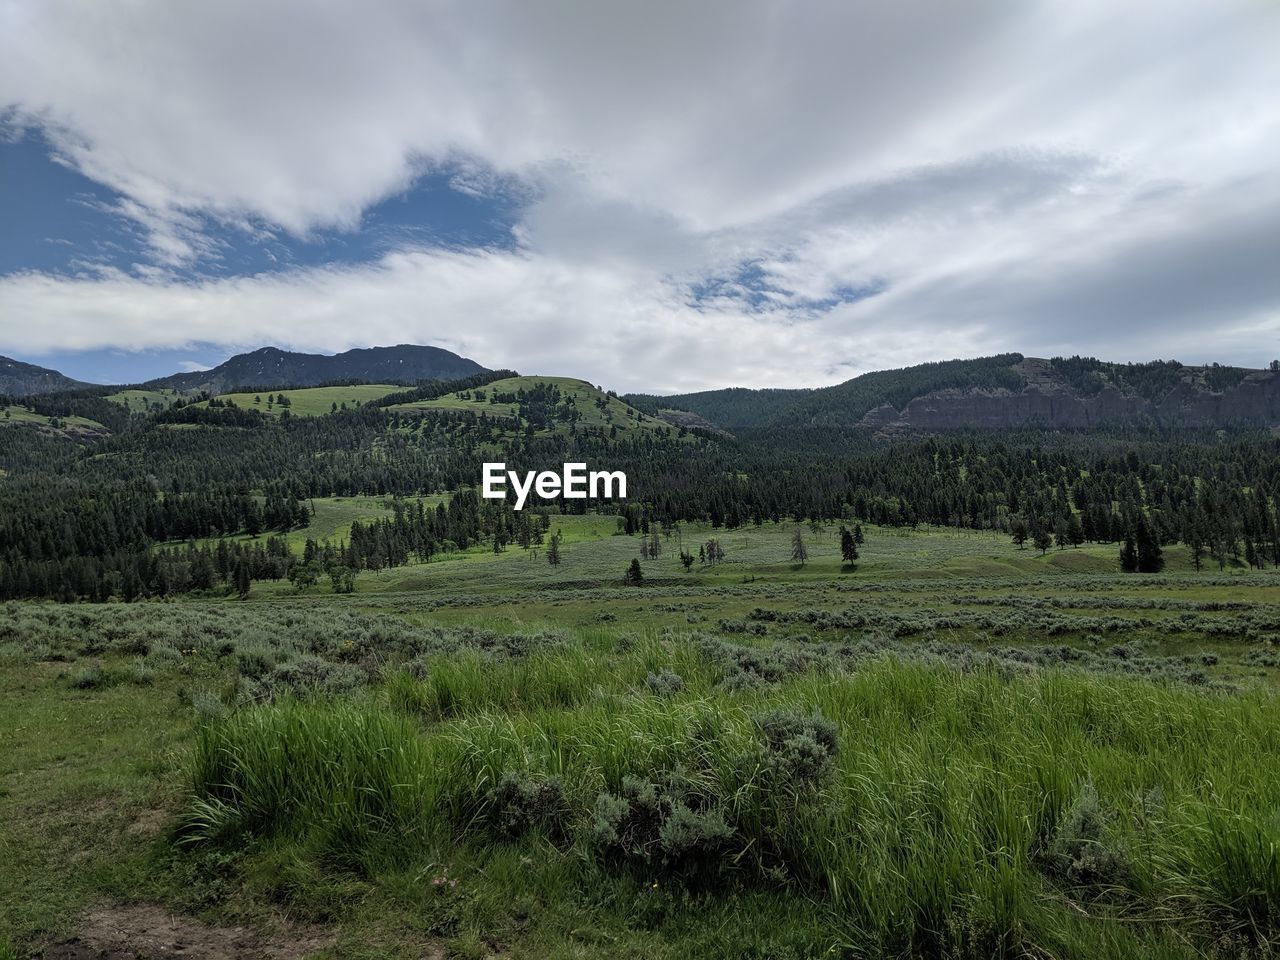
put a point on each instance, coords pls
(728, 408)
(18, 379)
(308, 401)
(1001, 392)
(270, 367)
(547, 404)
(73, 427)
(842, 404)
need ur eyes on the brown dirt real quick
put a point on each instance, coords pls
(148, 932)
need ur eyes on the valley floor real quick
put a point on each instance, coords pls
(954, 748)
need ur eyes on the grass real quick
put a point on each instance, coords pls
(596, 408)
(145, 401)
(89, 781)
(310, 401)
(69, 426)
(332, 519)
(956, 749)
(947, 818)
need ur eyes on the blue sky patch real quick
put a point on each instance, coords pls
(59, 221)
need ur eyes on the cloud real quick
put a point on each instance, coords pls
(710, 191)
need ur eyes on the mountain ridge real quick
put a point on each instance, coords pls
(271, 367)
(19, 379)
(1005, 391)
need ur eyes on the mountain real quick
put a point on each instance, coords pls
(1000, 392)
(18, 379)
(270, 367)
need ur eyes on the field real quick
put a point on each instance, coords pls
(310, 401)
(955, 748)
(596, 408)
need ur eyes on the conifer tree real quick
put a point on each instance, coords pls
(634, 575)
(848, 545)
(799, 554)
(1128, 555)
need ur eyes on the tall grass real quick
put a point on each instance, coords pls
(961, 814)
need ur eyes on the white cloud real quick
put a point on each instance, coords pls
(1017, 175)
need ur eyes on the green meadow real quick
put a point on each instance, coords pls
(145, 401)
(595, 407)
(952, 748)
(309, 401)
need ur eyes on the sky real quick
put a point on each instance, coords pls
(660, 196)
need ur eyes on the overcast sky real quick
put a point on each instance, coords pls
(659, 195)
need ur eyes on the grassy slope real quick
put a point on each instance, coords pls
(311, 401)
(70, 425)
(615, 412)
(145, 401)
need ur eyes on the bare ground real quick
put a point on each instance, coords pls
(149, 932)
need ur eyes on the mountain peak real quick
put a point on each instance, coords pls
(272, 367)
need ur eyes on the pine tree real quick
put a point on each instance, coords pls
(798, 552)
(634, 575)
(1150, 556)
(1128, 555)
(848, 545)
(1018, 530)
(553, 550)
(1061, 534)
(654, 546)
(242, 577)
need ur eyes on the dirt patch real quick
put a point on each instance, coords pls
(148, 823)
(148, 932)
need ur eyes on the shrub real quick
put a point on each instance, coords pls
(1083, 851)
(207, 704)
(519, 803)
(308, 676)
(801, 747)
(142, 674)
(255, 662)
(663, 824)
(89, 677)
(665, 683)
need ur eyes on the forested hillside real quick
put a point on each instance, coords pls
(1003, 391)
(18, 379)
